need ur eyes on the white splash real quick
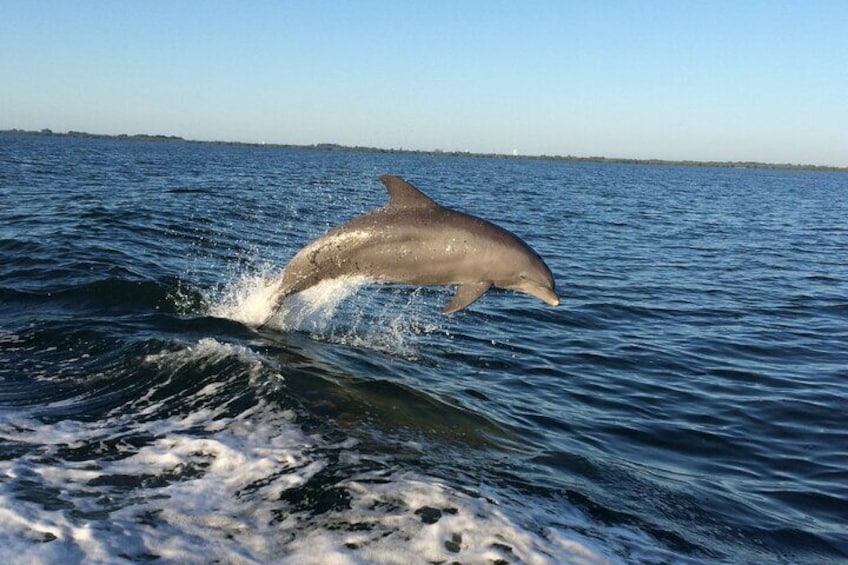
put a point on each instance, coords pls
(313, 309)
(379, 319)
(249, 299)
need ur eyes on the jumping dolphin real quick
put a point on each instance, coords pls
(413, 240)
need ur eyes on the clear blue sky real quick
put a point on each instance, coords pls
(735, 80)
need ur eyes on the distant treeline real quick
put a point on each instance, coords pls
(138, 136)
(364, 149)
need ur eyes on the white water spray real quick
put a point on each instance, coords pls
(250, 299)
(378, 320)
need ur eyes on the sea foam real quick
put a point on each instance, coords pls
(209, 486)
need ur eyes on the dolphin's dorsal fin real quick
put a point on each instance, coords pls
(404, 195)
(465, 295)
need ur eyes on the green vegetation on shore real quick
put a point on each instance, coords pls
(336, 147)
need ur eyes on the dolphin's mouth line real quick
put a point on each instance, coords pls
(543, 293)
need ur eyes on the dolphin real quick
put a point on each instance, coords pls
(413, 240)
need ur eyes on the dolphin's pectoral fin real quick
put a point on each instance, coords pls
(465, 295)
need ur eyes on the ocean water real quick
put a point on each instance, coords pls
(685, 404)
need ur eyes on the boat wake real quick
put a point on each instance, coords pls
(233, 472)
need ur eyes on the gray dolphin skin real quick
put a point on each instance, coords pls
(413, 240)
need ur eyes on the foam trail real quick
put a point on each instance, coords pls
(207, 487)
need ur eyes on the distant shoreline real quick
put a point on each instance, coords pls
(363, 149)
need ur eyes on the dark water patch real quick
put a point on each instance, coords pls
(117, 294)
(389, 409)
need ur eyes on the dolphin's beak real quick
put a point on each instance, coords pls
(542, 293)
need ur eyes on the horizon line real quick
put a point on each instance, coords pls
(362, 148)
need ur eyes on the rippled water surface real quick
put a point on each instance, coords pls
(685, 403)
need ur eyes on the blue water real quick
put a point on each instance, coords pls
(685, 403)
